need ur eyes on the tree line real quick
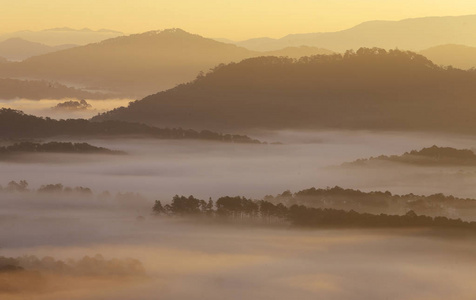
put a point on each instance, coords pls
(299, 215)
(15, 124)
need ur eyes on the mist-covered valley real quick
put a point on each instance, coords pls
(192, 163)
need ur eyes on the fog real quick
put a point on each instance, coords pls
(184, 259)
(44, 107)
(160, 169)
(188, 260)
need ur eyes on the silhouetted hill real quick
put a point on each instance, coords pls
(16, 49)
(54, 147)
(458, 56)
(432, 156)
(410, 34)
(369, 89)
(378, 202)
(62, 36)
(140, 64)
(17, 125)
(40, 89)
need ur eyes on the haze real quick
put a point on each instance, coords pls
(236, 20)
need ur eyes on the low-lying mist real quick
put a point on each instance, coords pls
(184, 259)
(44, 107)
(162, 168)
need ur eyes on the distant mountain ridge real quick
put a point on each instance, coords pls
(139, 64)
(65, 35)
(17, 49)
(458, 56)
(409, 34)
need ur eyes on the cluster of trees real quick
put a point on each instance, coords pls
(299, 215)
(377, 202)
(22, 186)
(16, 124)
(86, 266)
(431, 156)
(55, 147)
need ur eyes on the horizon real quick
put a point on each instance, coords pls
(239, 21)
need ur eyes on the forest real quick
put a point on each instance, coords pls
(431, 156)
(242, 209)
(55, 147)
(370, 88)
(15, 124)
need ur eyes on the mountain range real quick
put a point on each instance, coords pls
(371, 89)
(139, 64)
(17, 49)
(62, 36)
(409, 34)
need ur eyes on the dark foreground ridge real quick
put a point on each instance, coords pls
(15, 124)
(240, 208)
(432, 156)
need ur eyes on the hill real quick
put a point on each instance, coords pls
(377, 202)
(137, 65)
(40, 89)
(17, 49)
(54, 147)
(432, 156)
(17, 125)
(458, 56)
(368, 89)
(62, 36)
(410, 34)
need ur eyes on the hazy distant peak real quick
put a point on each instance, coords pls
(86, 29)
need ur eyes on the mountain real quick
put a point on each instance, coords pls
(17, 49)
(368, 89)
(3, 60)
(17, 125)
(409, 34)
(61, 36)
(137, 65)
(458, 56)
(432, 156)
(40, 89)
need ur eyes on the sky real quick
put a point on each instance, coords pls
(233, 19)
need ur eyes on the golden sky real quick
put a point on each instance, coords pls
(234, 19)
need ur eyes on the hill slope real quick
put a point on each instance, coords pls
(16, 49)
(61, 36)
(39, 89)
(410, 34)
(369, 89)
(458, 56)
(17, 125)
(137, 65)
(432, 156)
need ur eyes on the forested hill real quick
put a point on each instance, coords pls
(366, 89)
(54, 147)
(17, 125)
(432, 156)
